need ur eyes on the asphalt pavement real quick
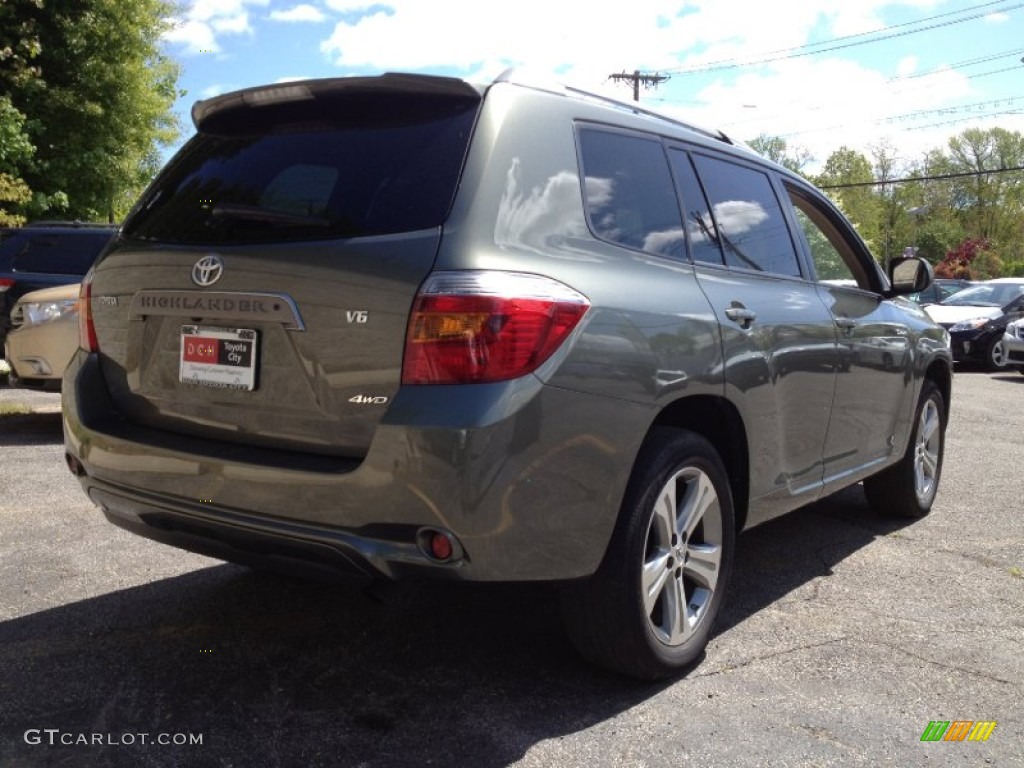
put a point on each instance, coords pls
(844, 637)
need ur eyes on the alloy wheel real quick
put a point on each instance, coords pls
(997, 354)
(683, 556)
(926, 455)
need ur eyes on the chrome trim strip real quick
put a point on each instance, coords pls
(222, 305)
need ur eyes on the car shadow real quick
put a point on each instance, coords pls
(275, 671)
(778, 557)
(1015, 377)
(31, 429)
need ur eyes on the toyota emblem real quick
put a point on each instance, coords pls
(207, 270)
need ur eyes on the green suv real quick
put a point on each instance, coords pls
(407, 326)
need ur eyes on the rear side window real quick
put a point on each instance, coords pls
(360, 167)
(629, 194)
(57, 254)
(749, 219)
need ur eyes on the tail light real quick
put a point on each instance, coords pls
(86, 329)
(5, 284)
(469, 327)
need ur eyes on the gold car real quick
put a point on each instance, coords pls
(43, 337)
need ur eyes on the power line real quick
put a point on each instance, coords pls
(977, 107)
(762, 118)
(966, 119)
(968, 63)
(908, 179)
(802, 50)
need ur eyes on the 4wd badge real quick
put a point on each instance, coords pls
(368, 399)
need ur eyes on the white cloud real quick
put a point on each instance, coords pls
(997, 18)
(585, 40)
(550, 35)
(234, 25)
(799, 100)
(849, 95)
(817, 102)
(348, 6)
(215, 90)
(195, 36)
(299, 13)
(197, 30)
(207, 10)
(907, 66)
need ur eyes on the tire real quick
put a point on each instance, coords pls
(648, 611)
(995, 355)
(908, 488)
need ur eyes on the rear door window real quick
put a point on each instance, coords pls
(358, 167)
(749, 220)
(705, 244)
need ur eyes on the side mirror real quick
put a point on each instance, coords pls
(909, 274)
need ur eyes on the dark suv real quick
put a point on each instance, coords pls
(45, 254)
(409, 326)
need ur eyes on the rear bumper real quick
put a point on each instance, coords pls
(527, 478)
(261, 542)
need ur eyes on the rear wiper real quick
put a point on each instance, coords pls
(255, 213)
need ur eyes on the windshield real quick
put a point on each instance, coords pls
(985, 295)
(380, 167)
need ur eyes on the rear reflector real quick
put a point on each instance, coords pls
(86, 329)
(471, 327)
(439, 545)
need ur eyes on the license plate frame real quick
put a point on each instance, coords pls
(218, 358)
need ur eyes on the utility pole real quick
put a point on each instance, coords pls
(638, 77)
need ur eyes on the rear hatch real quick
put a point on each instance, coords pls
(260, 290)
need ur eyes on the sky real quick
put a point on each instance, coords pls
(822, 74)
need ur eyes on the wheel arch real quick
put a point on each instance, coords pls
(940, 373)
(719, 422)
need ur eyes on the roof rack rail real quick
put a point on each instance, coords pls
(508, 76)
(711, 133)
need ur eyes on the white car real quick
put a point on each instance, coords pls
(1013, 344)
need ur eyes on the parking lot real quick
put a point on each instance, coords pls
(845, 635)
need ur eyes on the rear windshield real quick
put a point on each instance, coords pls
(59, 254)
(360, 167)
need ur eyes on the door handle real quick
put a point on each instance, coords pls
(741, 315)
(846, 324)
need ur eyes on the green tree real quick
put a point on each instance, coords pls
(15, 149)
(19, 45)
(19, 42)
(895, 227)
(97, 97)
(778, 151)
(987, 204)
(847, 178)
